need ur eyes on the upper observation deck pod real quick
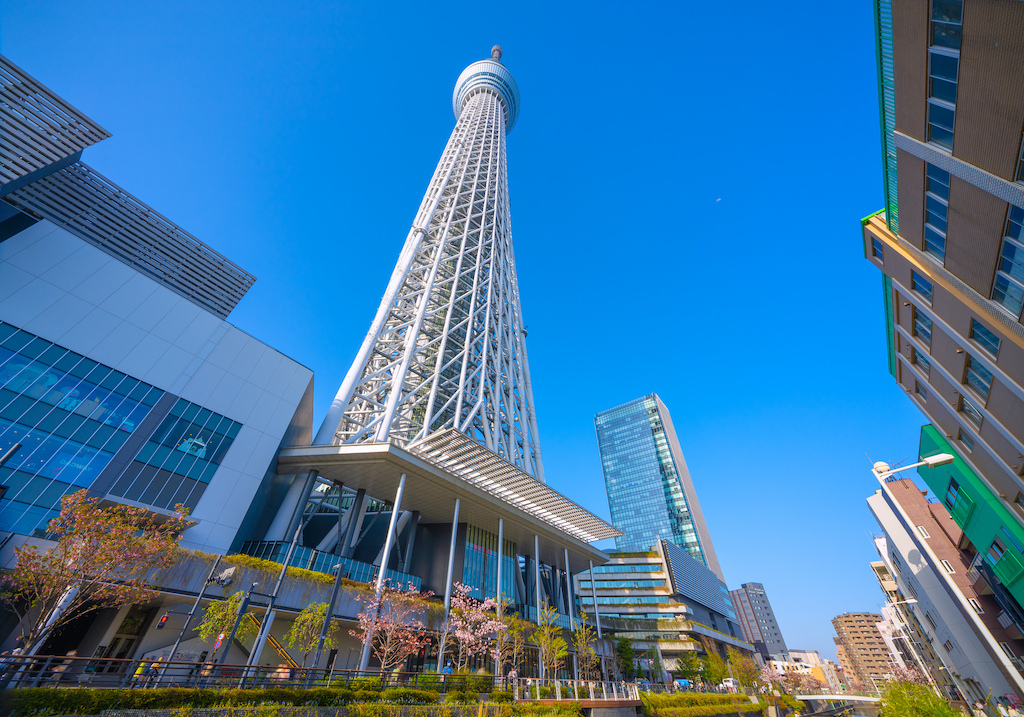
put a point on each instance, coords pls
(488, 74)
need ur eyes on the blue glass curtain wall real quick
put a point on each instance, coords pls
(69, 413)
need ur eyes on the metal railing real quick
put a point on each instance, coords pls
(108, 673)
(527, 689)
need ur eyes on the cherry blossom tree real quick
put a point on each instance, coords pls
(771, 678)
(392, 626)
(471, 624)
(899, 673)
(103, 558)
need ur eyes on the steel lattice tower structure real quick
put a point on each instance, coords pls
(446, 348)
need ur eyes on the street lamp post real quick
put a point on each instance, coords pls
(882, 470)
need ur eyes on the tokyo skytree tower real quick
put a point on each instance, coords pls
(446, 348)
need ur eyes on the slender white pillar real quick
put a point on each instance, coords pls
(536, 572)
(593, 591)
(448, 586)
(364, 659)
(501, 537)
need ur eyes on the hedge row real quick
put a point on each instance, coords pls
(692, 699)
(747, 708)
(46, 701)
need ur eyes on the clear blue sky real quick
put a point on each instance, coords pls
(686, 180)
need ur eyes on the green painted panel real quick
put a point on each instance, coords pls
(984, 517)
(962, 509)
(887, 108)
(890, 324)
(1008, 568)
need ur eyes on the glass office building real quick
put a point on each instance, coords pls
(650, 493)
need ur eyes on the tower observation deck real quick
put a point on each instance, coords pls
(446, 349)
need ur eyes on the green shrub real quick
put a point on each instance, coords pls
(558, 709)
(366, 696)
(469, 682)
(500, 697)
(408, 696)
(904, 699)
(747, 708)
(458, 697)
(429, 681)
(365, 683)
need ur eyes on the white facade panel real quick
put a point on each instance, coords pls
(118, 317)
(968, 660)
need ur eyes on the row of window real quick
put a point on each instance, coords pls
(622, 584)
(976, 375)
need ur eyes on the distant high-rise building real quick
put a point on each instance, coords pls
(861, 650)
(757, 619)
(650, 493)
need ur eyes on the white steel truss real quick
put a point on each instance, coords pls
(447, 347)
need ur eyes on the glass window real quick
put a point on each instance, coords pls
(943, 69)
(970, 412)
(951, 493)
(985, 338)
(941, 118)
(937, 181)
(1020, 164)
(936, 213)
(922, 327)
(1008, 287)
(966, 440)
(995, 551)
(947, 567)
(976, 605)
(921, 285)
(919, 359)
(876, 249)
(978, 378)
(920, 390)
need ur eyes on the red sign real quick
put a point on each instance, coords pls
(220, 639)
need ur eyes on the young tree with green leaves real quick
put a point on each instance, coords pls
(104, 558)
(547, 636)
(689, 667)
(510, 646)
(220, 617)
(305, 631)
(654, 660)
(625, 654)
(743, 667)
(583, 639)
(716, 668)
